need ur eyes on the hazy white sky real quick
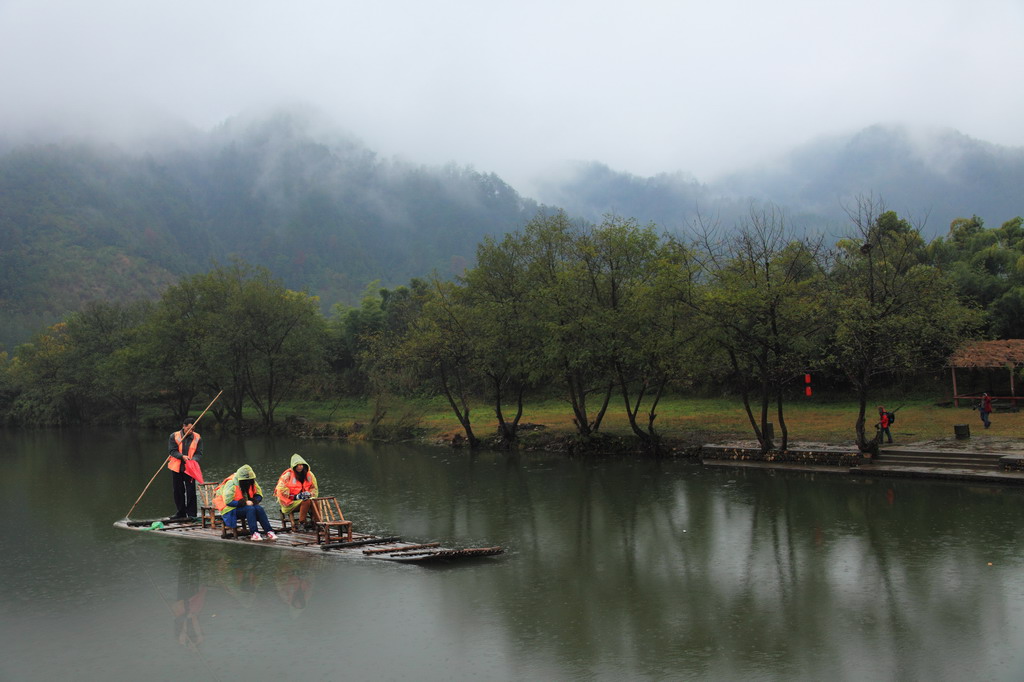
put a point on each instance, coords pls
(645, 86)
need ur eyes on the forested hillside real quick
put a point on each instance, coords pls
(328, 215)
(323, 213)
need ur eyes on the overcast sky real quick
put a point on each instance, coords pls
(515, 87)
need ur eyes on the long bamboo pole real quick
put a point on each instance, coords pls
(190, 429)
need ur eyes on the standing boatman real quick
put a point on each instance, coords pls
(184, 448)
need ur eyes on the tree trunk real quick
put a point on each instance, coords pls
(578, 400)
(864, 444)
(760, 431)
(596, 425)
(461, 413)
(648, 437)
(782, 420)
(508, 431)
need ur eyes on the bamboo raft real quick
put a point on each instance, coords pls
(387, 548)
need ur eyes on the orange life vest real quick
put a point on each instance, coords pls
(218, 493)
(173, 463)
(288, 481)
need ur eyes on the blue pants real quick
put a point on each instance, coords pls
(984, 417)
(251, 514)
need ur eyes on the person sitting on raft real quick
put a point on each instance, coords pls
(295, 489)
(243, 495)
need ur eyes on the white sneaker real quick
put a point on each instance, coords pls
(255, 537)
(271, 535)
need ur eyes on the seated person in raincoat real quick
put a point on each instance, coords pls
(295, 489)
(239, 493)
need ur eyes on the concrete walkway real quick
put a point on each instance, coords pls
(980, 458)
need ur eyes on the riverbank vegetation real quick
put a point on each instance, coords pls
(605, 328)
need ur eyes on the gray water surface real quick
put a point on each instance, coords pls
(615, 569)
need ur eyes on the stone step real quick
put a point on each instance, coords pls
(951, 459)
(938, 464)
(971, 474)
(940, 454)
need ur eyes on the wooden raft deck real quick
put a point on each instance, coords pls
(363, 546)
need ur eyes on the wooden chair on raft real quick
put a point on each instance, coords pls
(288, 524)
(209, 515)
(288, 521)
(327, 516)
(204, 493)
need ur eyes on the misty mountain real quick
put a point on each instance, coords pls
(326, 214)
(927, 178)
(321, 211)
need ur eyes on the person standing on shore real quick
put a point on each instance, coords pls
(985, 409)
(883, 424)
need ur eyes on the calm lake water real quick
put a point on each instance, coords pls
(615, 569)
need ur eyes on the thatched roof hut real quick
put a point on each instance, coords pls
(1003, 353)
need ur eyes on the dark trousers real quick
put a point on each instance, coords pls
(183, 487)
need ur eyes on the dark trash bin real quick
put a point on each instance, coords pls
(962, 431)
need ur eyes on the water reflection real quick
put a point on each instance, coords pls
(240, 575)
(188, 606)
(615, 569)
(294, 579)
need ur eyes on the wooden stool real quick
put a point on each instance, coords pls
(327, 515)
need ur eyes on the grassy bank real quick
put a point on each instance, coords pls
(684, 419)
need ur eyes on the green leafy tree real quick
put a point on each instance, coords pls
(505, 331)
(236, 329)
(348, 332)
(43, 372)
(106, 356)
(987, 268)
(8, 391)
(438, 348)
(376, 334)
(195, 346)
(763, 307)
(892, 312)
(286, 336)
(562, 297)
(641, 324)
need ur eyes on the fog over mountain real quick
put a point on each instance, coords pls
(514, 88)
(322, 211)
(325, 212)
(930, 177)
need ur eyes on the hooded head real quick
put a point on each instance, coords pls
(299, 466)
(246, 480)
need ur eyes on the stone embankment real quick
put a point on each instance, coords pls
(981, 458)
